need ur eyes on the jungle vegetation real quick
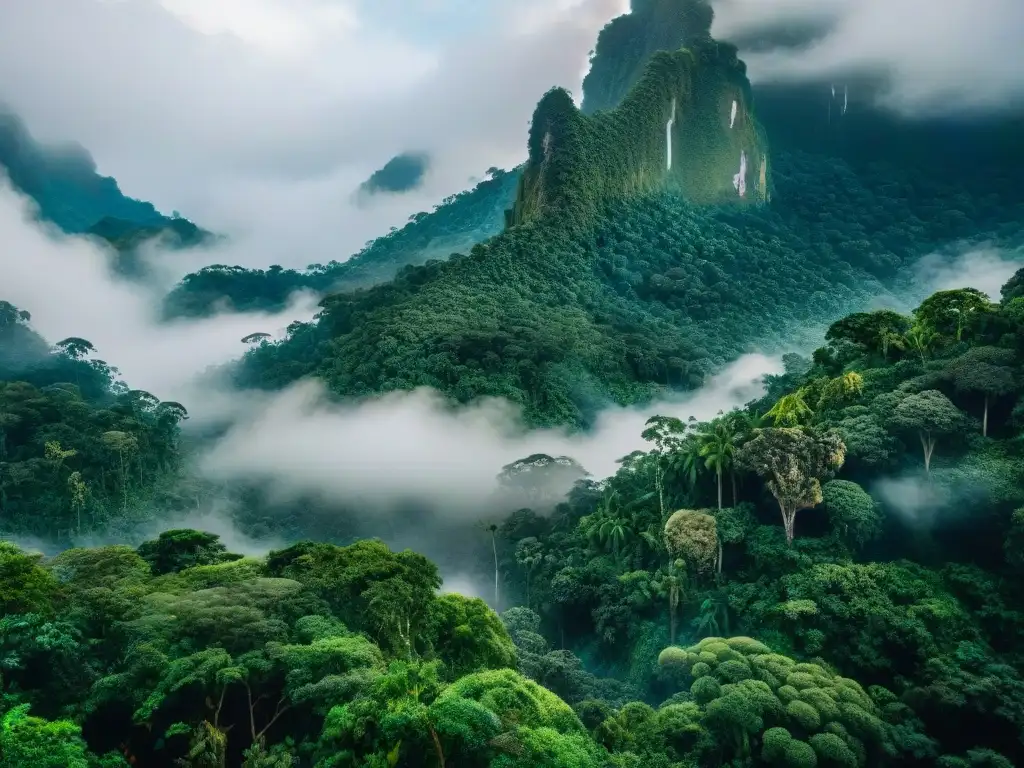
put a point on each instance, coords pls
(743, 593)
(828, 576)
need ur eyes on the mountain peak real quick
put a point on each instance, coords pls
(685, 125)
(627, 43)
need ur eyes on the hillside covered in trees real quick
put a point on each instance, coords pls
(748, 591)
(830, 576)
(634, 262)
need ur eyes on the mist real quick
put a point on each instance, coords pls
(937, 58)
(298, 104)
(986, 269)
(406, 446)
(399, 448)
(66, 285)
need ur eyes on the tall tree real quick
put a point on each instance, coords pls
(74, 347)
(985, 370)
(951, 313)
(792, 463)
(876, 332)
(666, 432)
(717, 448)
(930, 415)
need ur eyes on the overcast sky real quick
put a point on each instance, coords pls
(942, 55)
(258, 118)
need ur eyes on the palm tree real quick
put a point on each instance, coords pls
(672, 585)
(921, 338)
(742, 426)
(687, 461)
(614, 531)
(714, 607)
(717, 448)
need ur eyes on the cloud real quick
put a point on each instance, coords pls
(986, 269)
(65, 284)
(403, 446)
(913, 499)
(260, 119)
(412, 446)
(939, 57)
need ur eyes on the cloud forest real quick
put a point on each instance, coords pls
(693, 439)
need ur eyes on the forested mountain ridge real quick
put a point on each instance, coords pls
(610, 286)
(612, 282)
(457, 223)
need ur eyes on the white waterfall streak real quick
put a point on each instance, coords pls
(739, 181)
(668, 136)
(846, 98)
(732, 119)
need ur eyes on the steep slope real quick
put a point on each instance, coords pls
(458, 223)
(628, 43)
(686, 127)
(611, 282)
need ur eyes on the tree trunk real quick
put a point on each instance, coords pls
(671, 624)
(124, 484)
(719, 556)
(928, 445)
(494, 547)
(437, 747)
(732, 476)
(719, 490)
(789, 523)
(984, 420)
(661, 489)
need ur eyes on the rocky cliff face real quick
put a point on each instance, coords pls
(627, 44)
(687, 125)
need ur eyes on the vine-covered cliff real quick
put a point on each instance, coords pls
(627, 44)
(686, 126)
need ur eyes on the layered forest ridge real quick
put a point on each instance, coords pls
(63, 183)
(641, 253)
(829, 576)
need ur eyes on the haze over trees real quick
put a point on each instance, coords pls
(830, 575)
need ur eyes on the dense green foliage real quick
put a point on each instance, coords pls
(78, 449)
(692, 627)
(829, 576)
(458, 223)
(656, 295)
